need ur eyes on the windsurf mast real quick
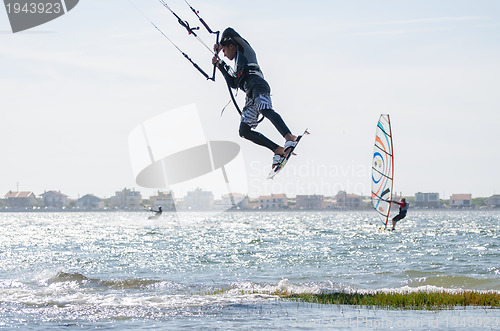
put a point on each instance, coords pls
(383, 169)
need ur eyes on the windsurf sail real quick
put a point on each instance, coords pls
(383, 169)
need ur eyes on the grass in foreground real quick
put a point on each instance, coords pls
(407, 300)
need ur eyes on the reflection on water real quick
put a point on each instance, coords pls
(93, 267)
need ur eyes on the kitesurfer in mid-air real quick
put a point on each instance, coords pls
(403, 208)
(249, 78)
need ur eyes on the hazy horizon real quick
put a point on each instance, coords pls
(74, 88)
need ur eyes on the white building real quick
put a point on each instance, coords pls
(273, 201)
(199, 200)
(349, 201)
(165, 200)
(493, 201)
(54, 199)
(90, 201)
(24, 199)
(427, 200)
(309, 201)
(461, 201)
(126, 199)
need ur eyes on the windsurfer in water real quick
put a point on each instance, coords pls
(249, 78)
(403, 208)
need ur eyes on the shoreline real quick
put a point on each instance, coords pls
(47, 210)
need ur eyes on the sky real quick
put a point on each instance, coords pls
(72, 91)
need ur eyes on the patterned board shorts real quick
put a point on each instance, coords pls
(253, 107)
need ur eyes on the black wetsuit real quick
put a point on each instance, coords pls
(402, 211)
(249, 78)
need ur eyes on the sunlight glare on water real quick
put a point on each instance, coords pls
(112, 268)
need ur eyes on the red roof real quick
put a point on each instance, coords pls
(24, 194)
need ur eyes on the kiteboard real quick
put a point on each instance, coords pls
(153, 217)
(289, 152)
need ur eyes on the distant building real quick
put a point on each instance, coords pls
(427, 200)
(240, 200)
(273, 201)
(165, 200)
(24, 199)
(461, 201)
(199, 200)
(90, 201)
(253, 203)
(309, 201)
(493, 201)
(126, 199)
(54, 199)
(330, 203)
(349, 201)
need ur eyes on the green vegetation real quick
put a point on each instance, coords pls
(406, 300)
(479, 202)
(395, 300)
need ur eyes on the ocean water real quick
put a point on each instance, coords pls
(121, 271)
